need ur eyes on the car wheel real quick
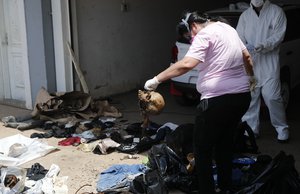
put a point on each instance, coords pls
(188, 99)
(285, 93)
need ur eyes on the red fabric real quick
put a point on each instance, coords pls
(69, 141)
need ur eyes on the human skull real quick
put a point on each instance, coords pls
(150, 102)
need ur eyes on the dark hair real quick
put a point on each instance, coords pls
(201, 18)
(198, 17)
(181, 31)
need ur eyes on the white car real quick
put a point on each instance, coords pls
(184, 87)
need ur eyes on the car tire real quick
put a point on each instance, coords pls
(285, 93)
(188, 99)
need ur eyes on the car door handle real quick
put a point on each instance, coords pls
(289, 53)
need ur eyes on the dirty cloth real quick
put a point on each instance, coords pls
(105, 144)
(119, 176)
(66, 106)
(102, 145)
(69, 141)
(51, 183)
(22, 122)
(36, 172)
(34, 149)
(87, 135)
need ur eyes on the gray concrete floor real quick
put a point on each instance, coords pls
(127, 103)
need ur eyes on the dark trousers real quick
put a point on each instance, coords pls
(215, 123)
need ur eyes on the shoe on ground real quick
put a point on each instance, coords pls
(283, 137)
(9, 119)
(283, 141)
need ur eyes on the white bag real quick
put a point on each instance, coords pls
(20, 174)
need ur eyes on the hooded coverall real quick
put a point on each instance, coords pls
(266, 31)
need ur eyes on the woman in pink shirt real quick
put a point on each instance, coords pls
(225, 71)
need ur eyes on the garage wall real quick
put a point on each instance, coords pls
(120, 50)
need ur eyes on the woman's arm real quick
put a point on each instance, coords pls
(180, 67)
(248, 63)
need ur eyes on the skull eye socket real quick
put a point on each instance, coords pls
(148, 97)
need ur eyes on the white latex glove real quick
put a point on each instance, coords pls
(252, 82)
(259, 48)
(250, 48)
(152, 84)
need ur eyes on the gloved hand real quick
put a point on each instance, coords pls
(259, 48)
(250, 48)
(252, 82)
(152, 84)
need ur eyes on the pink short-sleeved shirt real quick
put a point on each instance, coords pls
(221, 70)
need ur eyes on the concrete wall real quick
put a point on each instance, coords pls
(119, 51)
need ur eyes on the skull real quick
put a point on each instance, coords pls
(150, 102)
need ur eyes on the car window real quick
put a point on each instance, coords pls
(293, 20)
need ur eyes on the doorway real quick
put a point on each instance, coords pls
(14, 70)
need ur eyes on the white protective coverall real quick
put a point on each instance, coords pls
(266, 30)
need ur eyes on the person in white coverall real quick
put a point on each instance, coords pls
(262, 28)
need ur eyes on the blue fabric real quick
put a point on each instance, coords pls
(119, 176)
(237, 175)
(244, 161)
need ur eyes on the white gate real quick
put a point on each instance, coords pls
(14, 82)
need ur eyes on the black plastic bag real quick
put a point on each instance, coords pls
(149, 183)
(172, 169)
(278, 177)
(245, 143)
